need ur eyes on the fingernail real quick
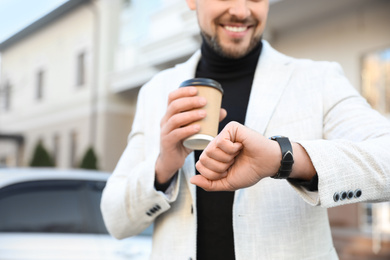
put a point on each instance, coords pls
(202, 101)
(193, 90)
(202, 113)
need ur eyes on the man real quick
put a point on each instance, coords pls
(336, 150)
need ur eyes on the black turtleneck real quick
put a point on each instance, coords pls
(215, 225)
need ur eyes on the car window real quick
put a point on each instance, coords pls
(61, 206)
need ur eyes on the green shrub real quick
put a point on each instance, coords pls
(41, 158)
(89, 160)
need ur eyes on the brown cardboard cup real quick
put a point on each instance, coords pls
(212, 91)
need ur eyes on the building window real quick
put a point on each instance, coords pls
(3, 160)
(73, 149)
(126, 3)
(40, 84)
(80, 78)
(376, 217)
(366, 216)
(5, 94)
(376, 79)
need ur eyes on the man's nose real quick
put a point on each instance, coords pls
(239, 9)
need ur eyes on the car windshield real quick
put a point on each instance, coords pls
(60, 206)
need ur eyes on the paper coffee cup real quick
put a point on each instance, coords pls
(212, 91)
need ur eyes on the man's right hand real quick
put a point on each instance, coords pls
(175, 128)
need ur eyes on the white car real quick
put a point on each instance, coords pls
(47, 213)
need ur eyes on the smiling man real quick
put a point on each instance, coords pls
(291, 144)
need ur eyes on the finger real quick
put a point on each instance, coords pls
(182, 119)
(182, 105)
(209, 173)
(214, 152)
(182, 92)
(185, 96)
(210, 185)
(179, 134)
(214, 164)
(224, 155)
(174, 95)
(222, 114)
(225, 143)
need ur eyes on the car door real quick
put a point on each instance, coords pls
(51, 219)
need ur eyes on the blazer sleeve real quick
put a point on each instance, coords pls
(353, 158)
(130, 203)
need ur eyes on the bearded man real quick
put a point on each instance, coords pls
(295, 138)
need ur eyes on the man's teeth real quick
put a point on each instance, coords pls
(235, 29)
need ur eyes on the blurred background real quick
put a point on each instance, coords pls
(70, 72)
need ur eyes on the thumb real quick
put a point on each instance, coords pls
(222, 114)
(209, 185)
(200, 181)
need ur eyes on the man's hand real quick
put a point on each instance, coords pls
(240, 157)
(175, 128)
(237, 158)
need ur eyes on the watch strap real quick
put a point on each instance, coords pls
(287, 161)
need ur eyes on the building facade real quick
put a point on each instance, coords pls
(55, 88)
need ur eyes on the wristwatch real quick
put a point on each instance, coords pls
(287, 161)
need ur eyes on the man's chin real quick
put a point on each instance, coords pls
(238, 48)
(235, 52)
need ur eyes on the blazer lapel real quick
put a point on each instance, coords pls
(271, 78)
(186, 70)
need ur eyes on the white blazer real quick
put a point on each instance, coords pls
(310, 102)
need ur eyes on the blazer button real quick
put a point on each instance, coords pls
(358, 193)
(343, 195)
(336, 196)
(350, 194)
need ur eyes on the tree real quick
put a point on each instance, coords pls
(89, 160)
(41, 158)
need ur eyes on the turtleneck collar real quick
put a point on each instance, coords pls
(218, 66)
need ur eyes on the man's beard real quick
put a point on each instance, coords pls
(214, 43)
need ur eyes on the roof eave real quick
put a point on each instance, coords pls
(42, 22)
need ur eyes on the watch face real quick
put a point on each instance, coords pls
(276, 136)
